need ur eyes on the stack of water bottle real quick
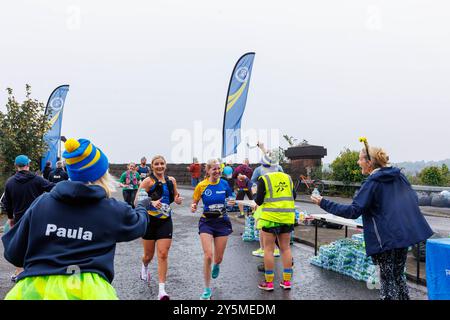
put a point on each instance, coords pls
(249, 229)
(347, 256)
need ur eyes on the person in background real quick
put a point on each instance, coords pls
(47, 169)
(391, 218)
(242, 176)
(66, 239)
(20, 192)
(195, 169)
(129, 181)
(58, 174)
(143, 169)
(214, 225)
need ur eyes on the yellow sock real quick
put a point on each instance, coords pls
(268, 275)
(287, 274)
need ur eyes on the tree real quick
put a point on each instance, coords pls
(22, 128)
(433, 176)
(345, 167)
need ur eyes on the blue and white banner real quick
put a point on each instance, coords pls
(235, 104)
(54, 113)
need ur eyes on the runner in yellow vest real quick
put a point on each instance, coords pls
(275, 196)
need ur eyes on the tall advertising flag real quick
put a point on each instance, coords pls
(235, 104)
(54, 113)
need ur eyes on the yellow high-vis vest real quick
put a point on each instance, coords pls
(278, 205)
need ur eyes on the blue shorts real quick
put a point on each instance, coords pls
(217, 227)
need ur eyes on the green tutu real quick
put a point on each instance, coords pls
(84, 286)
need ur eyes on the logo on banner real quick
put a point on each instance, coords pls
(242, 74)
(56, 104)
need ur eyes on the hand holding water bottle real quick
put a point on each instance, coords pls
(231, 201)
(316, 197)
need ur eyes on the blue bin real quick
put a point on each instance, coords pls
(438, 269)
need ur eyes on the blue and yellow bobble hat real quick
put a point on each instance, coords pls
(84, 161)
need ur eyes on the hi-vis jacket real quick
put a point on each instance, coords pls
(278, 205)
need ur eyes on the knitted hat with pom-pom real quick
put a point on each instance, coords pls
(84, 161)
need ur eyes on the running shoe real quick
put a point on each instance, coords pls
(163, 296)
(267, 286)
(215, 271)
(285, 284)
(144, 273)
(276, 252)
(258, 253)
(206, 295)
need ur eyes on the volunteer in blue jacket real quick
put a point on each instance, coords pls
(66, 240)
(214, 225)
(391, 217)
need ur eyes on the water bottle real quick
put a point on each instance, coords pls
(316, 192)
(142, 195)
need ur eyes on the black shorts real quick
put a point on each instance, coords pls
(241, 194)
(285, 228)
(159, 229)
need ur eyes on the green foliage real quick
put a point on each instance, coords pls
(22, 128)
(434, 176)
(345, 167)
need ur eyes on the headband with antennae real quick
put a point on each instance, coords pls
(366, 145)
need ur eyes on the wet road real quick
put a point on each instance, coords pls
(238, 277)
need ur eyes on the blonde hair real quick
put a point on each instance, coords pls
(378, 157)
(158, 157)
(107, 183)
(209, 164)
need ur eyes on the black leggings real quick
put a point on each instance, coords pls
(392, 278)
(128, 196)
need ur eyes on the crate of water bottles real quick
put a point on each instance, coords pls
(348, 257)
(249, 229)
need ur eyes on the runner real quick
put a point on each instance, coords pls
(214, 225)
(143, 169)
(129, 181)
(66, 240)
(162, 190)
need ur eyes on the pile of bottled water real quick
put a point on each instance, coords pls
(348, 257)
(249, 229)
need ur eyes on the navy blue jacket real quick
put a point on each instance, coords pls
(20, 191)
(389, 209)
(58, 175)
(74, 227)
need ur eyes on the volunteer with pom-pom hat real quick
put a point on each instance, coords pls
(391, 217)
(66, 240)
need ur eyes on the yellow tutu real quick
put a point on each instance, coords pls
(84, 286)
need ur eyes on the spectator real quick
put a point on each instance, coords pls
(47, 169)
(58, 174)
(391, 217)
(20, 191)
(195, 169)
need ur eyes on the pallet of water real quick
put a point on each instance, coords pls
(249, 229)
(348, 257)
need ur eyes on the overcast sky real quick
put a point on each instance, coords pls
(150, 77)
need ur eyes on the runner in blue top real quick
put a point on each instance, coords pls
(162, 189)
(214, 225)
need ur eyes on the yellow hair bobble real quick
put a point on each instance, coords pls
(366, 145)
(71, 145)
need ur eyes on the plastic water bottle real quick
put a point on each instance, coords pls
(142, 195)
(316, 192)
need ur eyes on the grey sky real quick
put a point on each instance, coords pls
(326, 71)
